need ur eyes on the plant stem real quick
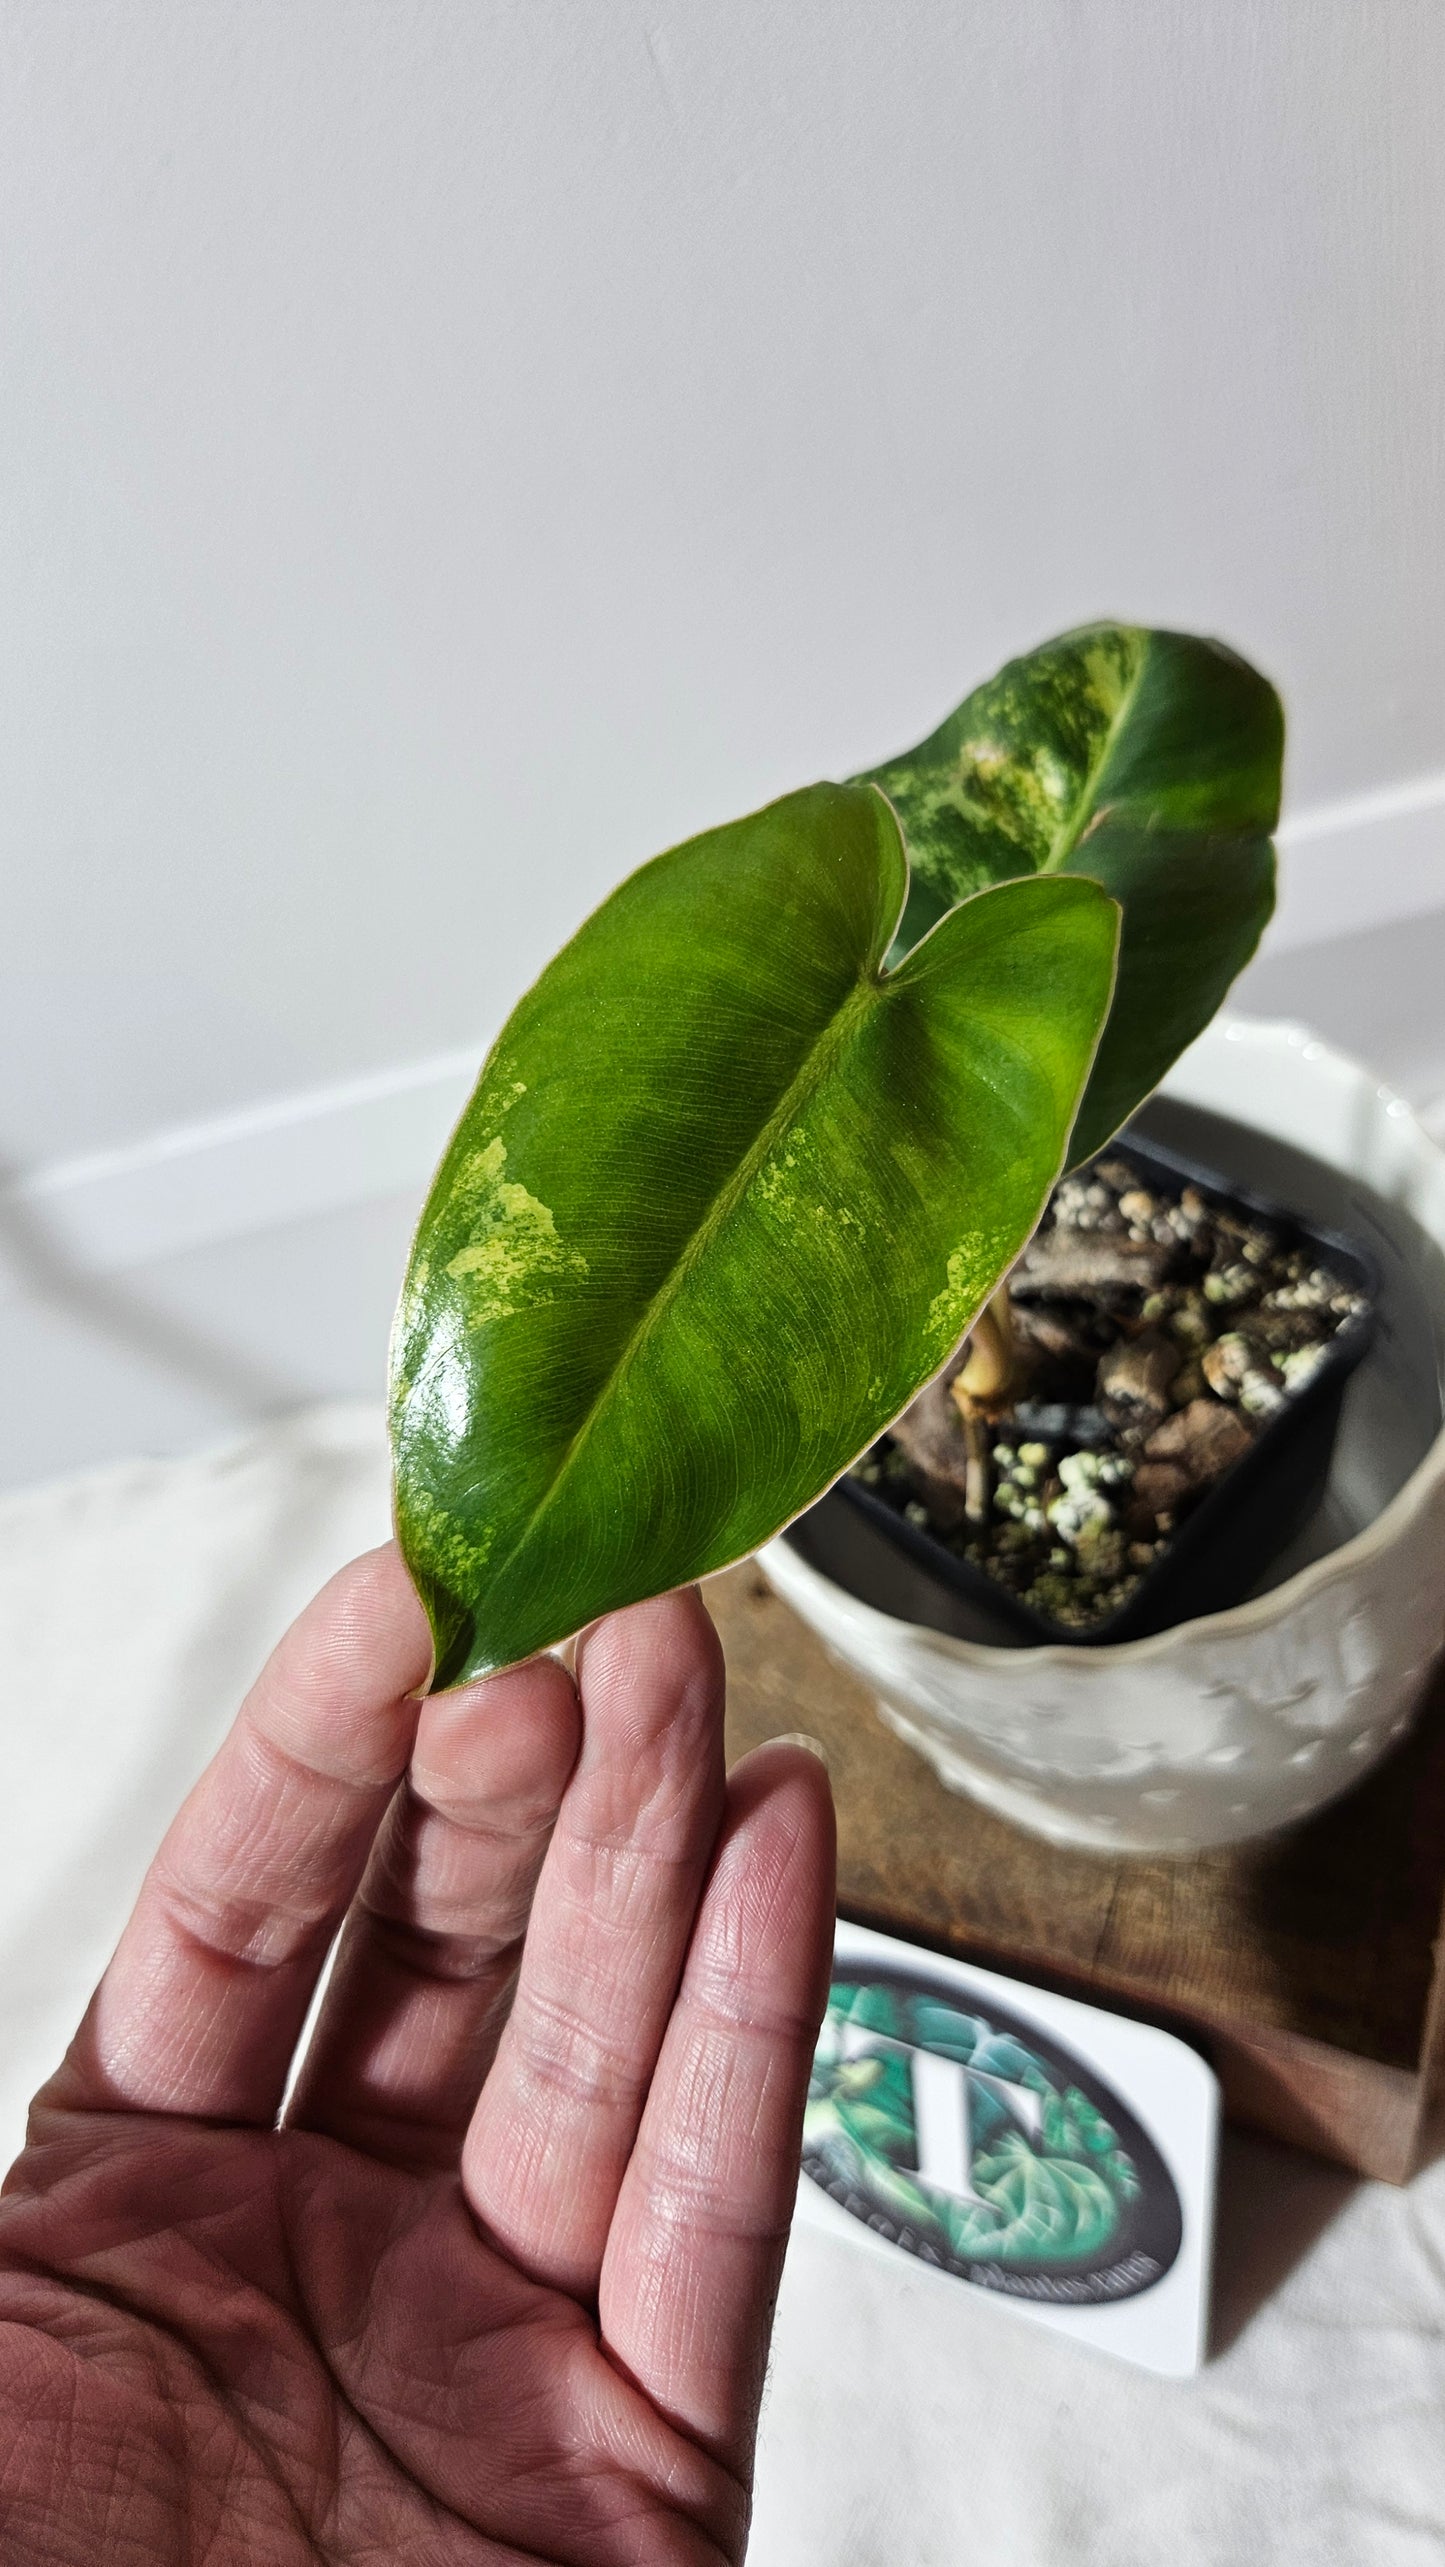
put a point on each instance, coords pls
(989, 1372)
(978, 1391)
(977, 1474)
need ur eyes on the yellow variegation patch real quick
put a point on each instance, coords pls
(514, 1252)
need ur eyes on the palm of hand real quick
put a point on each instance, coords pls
(318, 2359)
(411, 2322)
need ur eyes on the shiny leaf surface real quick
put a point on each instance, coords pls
(727, 1193)
(1149, 762)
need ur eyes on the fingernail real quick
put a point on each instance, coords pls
(803, 1738)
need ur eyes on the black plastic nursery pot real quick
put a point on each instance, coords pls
(1220, 1550)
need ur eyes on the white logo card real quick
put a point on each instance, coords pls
(1058, 2157)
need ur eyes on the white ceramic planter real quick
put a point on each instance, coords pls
(1247, 1720)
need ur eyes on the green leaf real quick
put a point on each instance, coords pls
(725, 1197)
(1149, 762)
(1194, 911)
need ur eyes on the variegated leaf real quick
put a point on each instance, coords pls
(1148, 761)
(727, 1193)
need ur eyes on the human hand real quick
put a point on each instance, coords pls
(428, 2317)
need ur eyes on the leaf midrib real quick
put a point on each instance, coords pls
(1070, 831)
(847, 1016)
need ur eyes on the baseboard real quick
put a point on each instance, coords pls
(1361, 863)
(1352, 866)
(293, 1158)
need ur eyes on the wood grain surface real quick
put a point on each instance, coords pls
(1304, 1965)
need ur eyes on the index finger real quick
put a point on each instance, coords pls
(201, 2008)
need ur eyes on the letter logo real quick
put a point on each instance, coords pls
(978, 2143)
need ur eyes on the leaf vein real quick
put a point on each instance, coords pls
(829, 1042)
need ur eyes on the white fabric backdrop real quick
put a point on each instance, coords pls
(907, 2424)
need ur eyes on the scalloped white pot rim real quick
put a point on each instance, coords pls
(1264, 1711)
(1336, 1568)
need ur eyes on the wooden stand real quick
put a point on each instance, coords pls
(1308, 1968)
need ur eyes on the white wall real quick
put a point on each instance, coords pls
(453, 448)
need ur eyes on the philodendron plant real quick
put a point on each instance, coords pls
(751, 1157)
